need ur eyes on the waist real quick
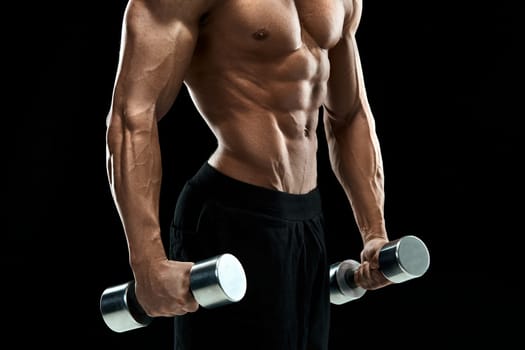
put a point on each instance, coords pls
(278, 164)
(214, 184)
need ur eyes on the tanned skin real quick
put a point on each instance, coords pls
(258, 71)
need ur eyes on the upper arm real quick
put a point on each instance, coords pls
(346, 94)
(157, 43)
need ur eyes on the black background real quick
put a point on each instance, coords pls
(442, 80)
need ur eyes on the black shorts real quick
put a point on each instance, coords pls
(279, 240)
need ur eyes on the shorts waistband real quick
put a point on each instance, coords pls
(252, 197)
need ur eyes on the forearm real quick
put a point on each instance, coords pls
(357, 163)
(157, 43)
(353, 144)
(134, 172)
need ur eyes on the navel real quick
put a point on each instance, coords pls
(261, 34)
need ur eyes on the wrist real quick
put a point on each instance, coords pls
(370, 234)
(146, 252)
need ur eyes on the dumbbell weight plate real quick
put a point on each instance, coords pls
(340, 290)
(404, 259)
(218, 281)
(119, 309)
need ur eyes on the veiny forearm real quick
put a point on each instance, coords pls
(354, 148)
(357, 163)
(134, 171)
(157, 43)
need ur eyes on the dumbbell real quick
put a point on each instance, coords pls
(400, 260)
(214, 282)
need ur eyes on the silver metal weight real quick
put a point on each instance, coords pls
(120, 309)
(343, 289)
(400, 260)
(214, 282)
(218, 281)
(404, 259)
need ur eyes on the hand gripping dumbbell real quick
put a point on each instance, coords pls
(214, 282)
(399, 260)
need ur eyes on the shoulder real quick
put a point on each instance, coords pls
(166, 10)
(353, 11)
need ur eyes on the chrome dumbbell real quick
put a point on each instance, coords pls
(400, 260)
(214, 282)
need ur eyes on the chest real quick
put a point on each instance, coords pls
(279, 25)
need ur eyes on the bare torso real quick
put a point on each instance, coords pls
(258, 71)
(258, 76)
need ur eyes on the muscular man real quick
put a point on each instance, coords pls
(258, 71)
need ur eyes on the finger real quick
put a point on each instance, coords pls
(370, 278)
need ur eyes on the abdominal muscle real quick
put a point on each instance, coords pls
(260, 153)
(264, 121)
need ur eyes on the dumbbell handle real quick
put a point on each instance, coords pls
(214, 282)
(399, 261)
